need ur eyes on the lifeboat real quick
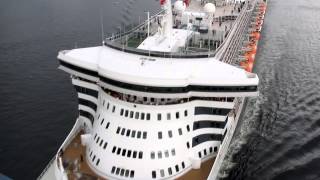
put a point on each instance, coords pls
(250, 56)
(247, 66)
(253, 48)
(255, 35)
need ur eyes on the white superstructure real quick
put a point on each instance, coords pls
(161, 101)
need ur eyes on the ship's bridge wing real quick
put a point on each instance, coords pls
(156, 71)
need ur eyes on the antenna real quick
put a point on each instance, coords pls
(102, 27)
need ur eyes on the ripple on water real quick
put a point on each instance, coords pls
(279, 132)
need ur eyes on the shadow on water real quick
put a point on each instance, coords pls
(279, 135)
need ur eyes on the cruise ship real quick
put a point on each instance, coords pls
(163, 99)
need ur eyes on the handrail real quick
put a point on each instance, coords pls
(116, 36)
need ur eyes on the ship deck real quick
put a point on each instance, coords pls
(77, 168)
(74, 161)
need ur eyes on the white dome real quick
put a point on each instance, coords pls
(210, 8)
(179, 5)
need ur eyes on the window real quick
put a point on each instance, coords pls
(162, 173)
(127, 173)
(139, 134)
(199, 154)
(180, 131)
(98, 116)
(215, 149)
(131, 174)
(107, 126)
(188, 145)
(122, 172)
(183, 165)
(166, 153)
(152, 155)
(103, 102)
(124, 152)
(97, 163)
(113, 109)
(159, 117)
(210, 149)
(154, 174)
(98, 139)
(173, 152)
(142, 116)
(169, 116)
(126, 113)
(170, 171)
(137, 115)
(102, 122)
(118, 130)
(144, 135)
(113, 170)
(95, 136)
(170, 134)
(177, 168)
(108, 106)
(159, 154)
(114, 149)
(131, 114)
(159, 135)
(188, 128)
(140, 155)
(177, 115)
(129, 153)
(205, 152)
(101, 142)
(185, 113)
(128, 133)
(121, 112)
(133, 133)
(94, 157)
(117, 171)
(118, 151)
(134, 155)
(105, 145)
(123, 131)
(148, 116)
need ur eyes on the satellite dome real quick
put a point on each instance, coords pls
(179, 6)
(210, 8)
